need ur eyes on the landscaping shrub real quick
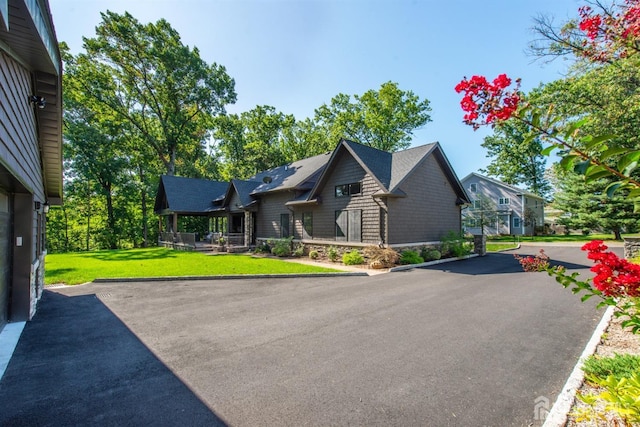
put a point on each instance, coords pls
(262, 248)
(299, 251)
(387, 257)
(282, 247)
(454, 245)
(620, 366)
(313, 254)
(352, 258)
(410, 257)
(332, 253)
(430, 254)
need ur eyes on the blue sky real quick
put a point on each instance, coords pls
(297, 55)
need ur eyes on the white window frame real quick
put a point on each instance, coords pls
(473, 187)
(502, 201)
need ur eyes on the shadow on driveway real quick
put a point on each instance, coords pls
(78, 364)
(498, 263)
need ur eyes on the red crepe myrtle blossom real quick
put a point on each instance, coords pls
(610, 36)
(487, 102)
(613, 276)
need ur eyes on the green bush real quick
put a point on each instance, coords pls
(430, 254)
(454, 245)
(282, 247)
(263, 248)
(332, 253)
(352, 258)
(620, 396)
(410, 257)
(620, 366)
(387, 257)
(299, 251)
(313, 254)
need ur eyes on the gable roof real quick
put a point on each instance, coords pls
(391, 169)
(188, 195)
(244, 189)
(517, 190)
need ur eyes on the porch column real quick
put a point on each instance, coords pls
(175, 222)
(248, 227)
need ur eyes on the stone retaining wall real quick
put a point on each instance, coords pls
(631, 247)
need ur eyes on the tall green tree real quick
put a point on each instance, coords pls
(146, 76)
(252, 141)
(587, 205)
(516, 158)
(383, 119)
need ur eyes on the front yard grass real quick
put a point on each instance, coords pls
(81, 267)
(495, 247)
(553, 238)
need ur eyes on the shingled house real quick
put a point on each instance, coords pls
(354, 196)
(513, 211)
(31, 147)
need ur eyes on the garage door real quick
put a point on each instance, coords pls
(5, 257)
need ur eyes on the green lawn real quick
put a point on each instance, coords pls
(552, 238)
(495, 247)
(82, 267)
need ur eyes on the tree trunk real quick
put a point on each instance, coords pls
(145, 227)
(143, 205)
(88, 214)
(66, 229)
(111, 219)
(616, 234)
(171, 167)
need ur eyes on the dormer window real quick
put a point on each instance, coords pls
(352, 189)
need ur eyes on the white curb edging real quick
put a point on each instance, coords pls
(557, 417)
(9, 337)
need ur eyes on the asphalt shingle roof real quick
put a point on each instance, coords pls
(190, 195)
(403, 162)
(377, 161)
(294, 175)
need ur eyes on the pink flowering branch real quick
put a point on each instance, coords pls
(487, 103)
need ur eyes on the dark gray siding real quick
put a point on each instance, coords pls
(19, 151)
(20, 177)
(346, 170)
(235, 202)
(5, 257)
(268, 215)
(429, 211)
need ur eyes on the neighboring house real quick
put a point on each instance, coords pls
(31, 147)
(353, 196)
(510, 210)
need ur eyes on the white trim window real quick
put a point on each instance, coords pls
(473, 187)
(504, 201)
(516, 222)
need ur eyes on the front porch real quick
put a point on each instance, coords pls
(232, 232)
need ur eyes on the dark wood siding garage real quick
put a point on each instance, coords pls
(5, 257)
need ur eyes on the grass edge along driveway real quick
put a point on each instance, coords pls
(81, 267)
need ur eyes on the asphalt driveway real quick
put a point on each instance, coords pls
(470, 343)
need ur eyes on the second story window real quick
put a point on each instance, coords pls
(503, 201)
(348, 189)
(473, 187)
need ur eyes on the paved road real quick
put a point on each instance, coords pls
(469, 343)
